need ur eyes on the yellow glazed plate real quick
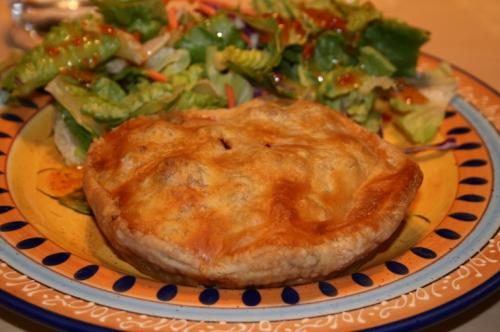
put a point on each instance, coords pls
(58, 268)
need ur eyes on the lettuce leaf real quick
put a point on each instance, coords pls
(143, 16)
(107, 89)
(421, 122)
(330, 52)
(72, 97)
(397, 41)
(193, 99)
(217, 31)
(243, 90)
(65, 46)
(374, 63)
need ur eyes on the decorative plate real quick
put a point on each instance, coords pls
(58, 269)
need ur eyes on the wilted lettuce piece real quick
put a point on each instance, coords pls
(108, 89)
(357, 16)
(217, 31)
(148, 29)
(143, 16)
(358, 106)
(76, 201)
(369, 83)
(420, 126)
(72, 97)
(373, 122)
(292, 64)
(146, 93)
(288, 10)
(83, 136)
(330, 51)
(177, 62)
(422, 123)
(189, 77)
(374, 63)
(104, 110)
(284, 8)
(192, 99)
(255, 64)
(46, 61)
(404, 107)
(72, 142)
(397, 41)
(251, 63)
(243, 90)
(157, 105)
(340, 81)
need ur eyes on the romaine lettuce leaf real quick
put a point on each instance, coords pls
(66, 46)
(72, 97)
(217, 31)
(243, 90)
(374, 63)
(71, 139)
(107, 89)
(177, 62)
(340, 81)
(193, 99)
(397, 41)
(330, 52)
(422, 122)
(143, 16)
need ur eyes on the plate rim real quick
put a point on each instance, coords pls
(440, 311)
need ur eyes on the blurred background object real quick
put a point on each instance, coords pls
(30, 18)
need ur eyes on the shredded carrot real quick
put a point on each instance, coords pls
(137, 36)
(154, 75)
(231, 100)
(206, 9)
(172, 18)
(165, 1)
(246, 38)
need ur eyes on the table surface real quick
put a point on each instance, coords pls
(465, 33)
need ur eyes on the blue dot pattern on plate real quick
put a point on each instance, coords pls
(396, 267)
(27, 102)
(449, 114)
(474, 163)
(447, 234)
(471, 198)
(327, 289)
(423, 252)
(3, 191)
(4, 135)
(209, 296)
(56, 259)
(30, 243)
(474, 181)
(167, 293)
(251, 297)
(86, 272)
(11, 117)
(12, 226)
(458, 131)
(290, 295)
(469, 146)
(5, 208)
(362, 279)
(124, 284)
(463, 216)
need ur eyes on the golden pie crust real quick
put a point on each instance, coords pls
(267, 193)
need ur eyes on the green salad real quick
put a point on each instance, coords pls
(143, 57)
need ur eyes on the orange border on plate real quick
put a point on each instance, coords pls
(408, 305)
